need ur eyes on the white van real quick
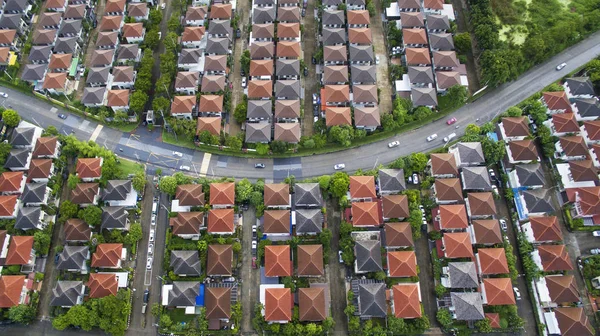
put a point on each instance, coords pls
(450, 137)
(154, 208)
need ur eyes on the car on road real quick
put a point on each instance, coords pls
(163, 5)
(415, 178)
(178, 154)
(492, 174)
(146, 296)
(244, 82)
(596, 233)
(394, 144)
(153, 220)
(4, 94)
(149, 263)
(450, 137)
(517, 293)
(314, 98)
(186, 168)
(305, 71)
(314, 60)
(254, 245)
(259, 165)
(62, 116)
(503, 224)
(303, 12)
(56, 258)
(495, 190)
(150, 248)
(432, 137)
(339, 166)
(253, 262)
(151, 236)
(561, 66)
(159, 35)
(424, 228)
(340, 257)
(376, 60)
(595, 251)
(451, 121)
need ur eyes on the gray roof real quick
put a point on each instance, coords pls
(220, 27)
(190, 56)
(418, 74)
(33, 72)
(15, 5)
(538, 200)
(258, 132)
(441, 41)
(470, 152)
(263, 14)
(287, 88)
(368, 255)
(185, 262)
(307, 194)
(287, 67)
(332, 2)
(333, 17)
(69, 28)
(116, 190)
(476, 178)
(28, 218)
(361, 53)
(264, 2)
(17, 158)
(65, 45)
(587, 107)
(114, 218)
(468, 306)
(93, 95)
(34, 193)
(356, 2)
(98, 75)
(371, 299)
(22, 136)
(363, 74)
(66, 293)
(530, 174)
(424, 97)
(438, 22)
(128, 51)
(392, 180)
(333, 36)
(73, 257)
(580, 86)
(10, 21)
(184, 293)
(463, 275)
(259, 109)
(40, 54)
(217, 45)
(309, 221)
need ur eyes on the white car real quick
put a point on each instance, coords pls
(178, 154)
(415, 178)
(561, 66)
(149, 263)
(596, 233)
(432, 137)
(517, 293)
(450, 137)
(254, 244)
(244, 82)
(595, 251)
(503, 224)
(339, 166)
(376, 59)
(3, 94)
(495, 190)
(186, 168)
(340, 257)
(151, 236)
(153, 220)
(159, 35)
(163, 5)
(394, 144)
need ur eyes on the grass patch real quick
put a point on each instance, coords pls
(178, 315)
(168, 137)
(129, 167)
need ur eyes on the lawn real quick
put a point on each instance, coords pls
(129, 167)
(178, 315)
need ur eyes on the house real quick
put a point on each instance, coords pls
(13, 290)
(77, 231)
(441, 42)
(123, 78)
(114, 218)
(189, 195)
(368, 256)
(211, 105)
(288, 14)
(118, 100)
(109, 256)
(210, 124)
(475, 178)
(278, 304)
(398, 235)
(112, 23)
(571, 148)
(286, 110)
(127, 53)
(452, 217)
(215, 64)
(562, 124)
(71, 28)
(443, 165)
(417, 56)
(335, 74)
(193, 37)
(181, 294)
(190, 59)
(406, 300)
(420, 76)
(486, 232)
(491, 261)
(366, 214)
(437, 23)
(218, 303)
(287, 89)
(402, 264)
(423, 97)
(277, 224)
(102, 58)
(185, 263)
(497, 292)
(75, 11)
(447, 79)
(336, 95)
(579, 87)
(262, 32)
(56, 5)
(552, 258)
(460, 275)
(370, 298)
(310, 260)
(480, 205)
(115, 7)
(262, 50)
(363, 74)
(212, 83)
(220, 29)
(40, 54)
(557, 290)
(46, 147)
(288, 31)
(414, 38)
(94, 96)
(98, 76)
(221, 221)
(365, 95)
(85, 194)
(258, 132)
(219, 260)
(514, 128)
(262, 15)
(67, 294)
(138, 11)
(222, 195)
(466, 306)
(278, 261)
(102, 284)
(333, 36)
(307, 195)
(33, 73)
(18, 159)
(586, 109)
(35, 194)
(542, 229)
(133, 32)
(591, 132)
(21, 252)
(56, 83)
(391, 181)
(15, 21)
(107, 40)
(585, 203)
(362, 188)
(187, 82)
(528, 176)
(74, 259)
(536, 202)
(338, 116)
(447, 191)
(221, 11)
(30, 218)
(577, 174)
(468, 154)
(568, 321)
(194, 16)
(119, 193)
(12, 183)
(521, 151)
(312, 303)
(7, 38)
(457, 245)
(187, 224)
(277, 195)
(445, 60)
(360, 36)
(89, 169)
(556, 102)
(308, 221)
(358, 18)
(335, 54)
(366, 118)
(395, 207)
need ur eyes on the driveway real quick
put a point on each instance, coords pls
(426, 280)
(309, 45)
(336, 271)
(235, 78)
(250, 276)
(383, 79)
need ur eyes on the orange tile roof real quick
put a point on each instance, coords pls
(183, 104)
(311, 304)
(211, 103)
(19, 250)
(210, 124)
(417, 56)
(133, 30)
(219, 260)
(102, 284)
(39, 168)
(481, 204)
(407, 301)
(45, 146)
(187, 223)
(11, 181)
(433, 4)
(358, 17)
(220, 220)
(494, 319)
(362, 187)
(402, 263)
(7, 36)
(487, 231)
(398, 234)
(556, 100)
(4, 53)
(111, 22)
(107, 255)
(545, 228)
(220, 11)
(443, 164)
(276, 194)
(288, 30)
(337, 116)
(448, 189)
(11, 287)
(89, 167)
(260, 89)
(592, 128)
(360, 35)
(457, 245)
(193, 34)
(337, 94)
(453, 217)
(565, 123)
(310, 260)
(395, 206)
(492, 261)
(55, 4)
(222, 193)
(288, 49)
(7, 205)
(277, 221)
(259, 68)
(523, 150)
(414, 36)
(573, 321)
(587, 197)
(55, 81)
(60, 61)
(365, 214)
(278, 261)
(278, 304)
(117, 98)
(555, 258)
(499, 291)
(114, 6)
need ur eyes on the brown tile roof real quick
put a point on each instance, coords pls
(395, 206)
(277, 221)
(7, 36)
(260, 89)
(499, 291)
(545, 228)
(414, 36)
(4, 54)
(311, 304)
(288, 30)
(407, 302)
(193, 34)
(263, 30)
(220, 220)
(362, 187)
(555, 258)
(222, 193)
(106, 39)
(288, 49)
(565, 123)
(210, 124)
(211, 103)
(118, 98)
(260, 50)
(44, 36)
(433, 4)
(277, 194)
(137, 9)
(7, 205)
(102, 57)
(75, 11)
(220, 11)
(443, 164)
(492, 261)
(278, 261)
(494, 319)
(19, 250)
(84, 193)
(448, 189)
(592, 128)
(487, 231)
(45, 146)
(111, 23)
(366, 116)
(337, 93)
(398, 234)
(55, 81)
(60, 61)
(337, 116)
(89, 167)
(278, 304)
(358, 17)
(190, 195)
(133, 29)
(523, 150)
(11, 181)
(457, 245)
(212, 83)
(102, 284)
(402, 264)
(588, 199)
(183, 104)
(259, 68)
(365, 214)
(412, 19)
(310, 260)
(219, 260)
(187, 223)
(573, 146)
(481, 204)
(287, 132)
(196, 13)
(335, 74)
(218, 302)
(287, 108)
(337, 53)
(572, 321)
(556, 100)
(516, 126)
(562, 288)
(446, 59)
(447, 79)
(77, 230)
(453, 216)
(364, 93)
(11, 287)
(187, 79)
(114, 6)
(417, 56)
(107, 255)
(360, 35)
(39, 168)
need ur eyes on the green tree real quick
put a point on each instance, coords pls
(462, 42)
(483, 326)
(160, 104)
(11, 118)
(279, 147)
(50, 131)
(41, 242)
(138, 101)
(72, 181)
(243, 190)
(554, 87)
(324, 182)
(239, 113)
(139, 181)
(155, 17)
(245, 61)
(444, 317)
(134, 234)
(168, 185)
(22, 313)
(233, 142)
(208, 138)
(256, 198)
(514, 111)
(92, 215)
(440, 290)
(418, 162)
(339, 184)
(67, 210)
(262, 149)
(397, 326)
(343, 135)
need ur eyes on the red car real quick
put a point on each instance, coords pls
(253, 262)
(451, 121)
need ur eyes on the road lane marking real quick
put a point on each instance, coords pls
(96, 132)
(205, 164)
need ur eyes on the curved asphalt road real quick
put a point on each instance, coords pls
(146, 147)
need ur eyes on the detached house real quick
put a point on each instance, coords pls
(556, 102)
(134, 32)
(118, 100)
(89, 169)
(138, 11)
(187, 224)
(74, 259)
(579, 87)
(109, 256)
(56, 83)
(120, 193)
(194, 16)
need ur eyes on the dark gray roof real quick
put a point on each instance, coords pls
(333, 36)
(98, 75)
(287, 67)
(264, 2)
(220, 27)
(40, 54)
(17, 158)
(309, 221)
(65, 45)
(371, 299)
(15, 5)
(424, 97)
(332, 2)
(33, 72)
(217, 45)
(34, 193)
(10, 21)
(463, 275)
(333, 17)
(530, 174)
(587, 107)
(307, 194)
(538, 200)
(28, 218)
(392, 180)
(470, 152)
(116, 190)
(114, 218)
(287, 88)
(368, 255)
(184, 293)
(190, 56)
(580, 86)
(93, 95)
(22, 136)
(73, 257)
(476, 178)
(259, 109)
(258, 132)
(185, 262)
(69, 28)
(441, 41)
(361, 53)
(263, 14)
(356, 2)
(66, 293)
(468, 306)
(128, 51)
(365, 74)
(418, 74)
(438, 22)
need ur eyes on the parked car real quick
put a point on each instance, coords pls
(517, 293)
(424, 228)
(254, 245)
(492, 174)
(244, 82)
(595, 251)
(150, 248)
(163, 5)
(62, 116)
(339, 166)
(495, 190)
(561, 66)
(259, 165)
(596, 233)
(340, 257)
(149, 263)
(151, 238)
(305, 71)
(146, 295)
(394, 144)
(415, 178)
(451, 121)
(303, 12)
(503, 224)
(253, 262)
(432, 137)
(186, 168)
(314, 98)
(376, 59)
(153, 220)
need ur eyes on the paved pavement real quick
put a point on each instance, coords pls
(383, 79)
(43, 328)
(235, 77)
(426, 280)
(250, 277)
(309, 45)
(336, 272)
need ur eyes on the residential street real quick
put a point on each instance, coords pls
(336, 272)
(250, 277)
